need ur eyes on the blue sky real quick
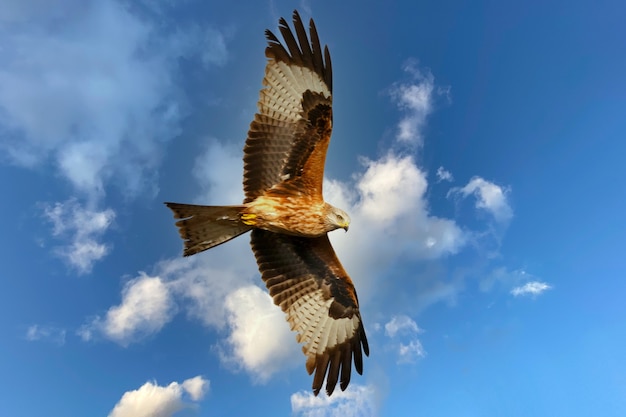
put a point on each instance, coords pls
(478, 147)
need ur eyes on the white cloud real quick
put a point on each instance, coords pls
(83, 228)
(196, 387)
(95, 93)
(415, 99)
(401, 324)
(519, 281)
(202, 283)
(489, 197)
(390, 188)
(53, 334)
(444, 175)
(409, 352)
(260, 338)
(218, 171)
(407, 346)
(146, 307)
(533, 288)
(355, 401)
(89, 88)
(390, 220)
(152, 400)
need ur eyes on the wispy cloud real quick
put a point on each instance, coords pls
(83, 228)
(533, 288)
(444, 175)
(152, 400)
(517, 282)
(401, 324)
(415, 99)
(38, 332)
(403, 331)
(356, 400)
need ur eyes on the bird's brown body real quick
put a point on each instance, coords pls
(284, 159)
(285, 214)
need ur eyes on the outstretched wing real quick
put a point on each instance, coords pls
(288, 138)
(307, 281)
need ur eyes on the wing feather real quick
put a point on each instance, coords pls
(289, 136)
(305, 278)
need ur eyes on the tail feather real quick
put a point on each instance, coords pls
(204, 227)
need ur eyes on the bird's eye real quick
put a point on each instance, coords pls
(340, 217)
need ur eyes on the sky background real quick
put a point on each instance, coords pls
(478, 147)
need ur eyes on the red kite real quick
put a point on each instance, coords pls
(284, 160)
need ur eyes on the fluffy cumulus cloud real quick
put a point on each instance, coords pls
(489, 197)
(356, 400)
(145, 308)
(196, 387)
(215, 289)
(153, 400)
(202, 283)
(533, 288)
(260, 339)
(387, 200)
(83, 229)
(391, 220)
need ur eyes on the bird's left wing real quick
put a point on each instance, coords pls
(307, 281)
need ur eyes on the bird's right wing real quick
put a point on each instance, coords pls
(307, 281)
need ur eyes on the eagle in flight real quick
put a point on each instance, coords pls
(284, 208)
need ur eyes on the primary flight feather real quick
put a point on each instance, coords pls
(284, 158)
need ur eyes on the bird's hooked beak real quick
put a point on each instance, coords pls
(345, 227)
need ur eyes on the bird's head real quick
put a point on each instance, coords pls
(337, 218)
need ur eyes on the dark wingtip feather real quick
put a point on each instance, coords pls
(304, 51)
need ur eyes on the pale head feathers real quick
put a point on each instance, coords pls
(336, 218)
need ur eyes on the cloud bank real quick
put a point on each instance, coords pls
(90, 88)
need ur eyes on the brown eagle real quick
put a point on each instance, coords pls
(284, 159)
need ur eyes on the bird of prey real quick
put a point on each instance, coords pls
(284, 208)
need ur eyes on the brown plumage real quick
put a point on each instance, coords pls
(284, 159)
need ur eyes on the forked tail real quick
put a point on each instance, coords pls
(203, 227)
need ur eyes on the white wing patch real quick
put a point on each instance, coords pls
(284, 87)
(316, 329)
